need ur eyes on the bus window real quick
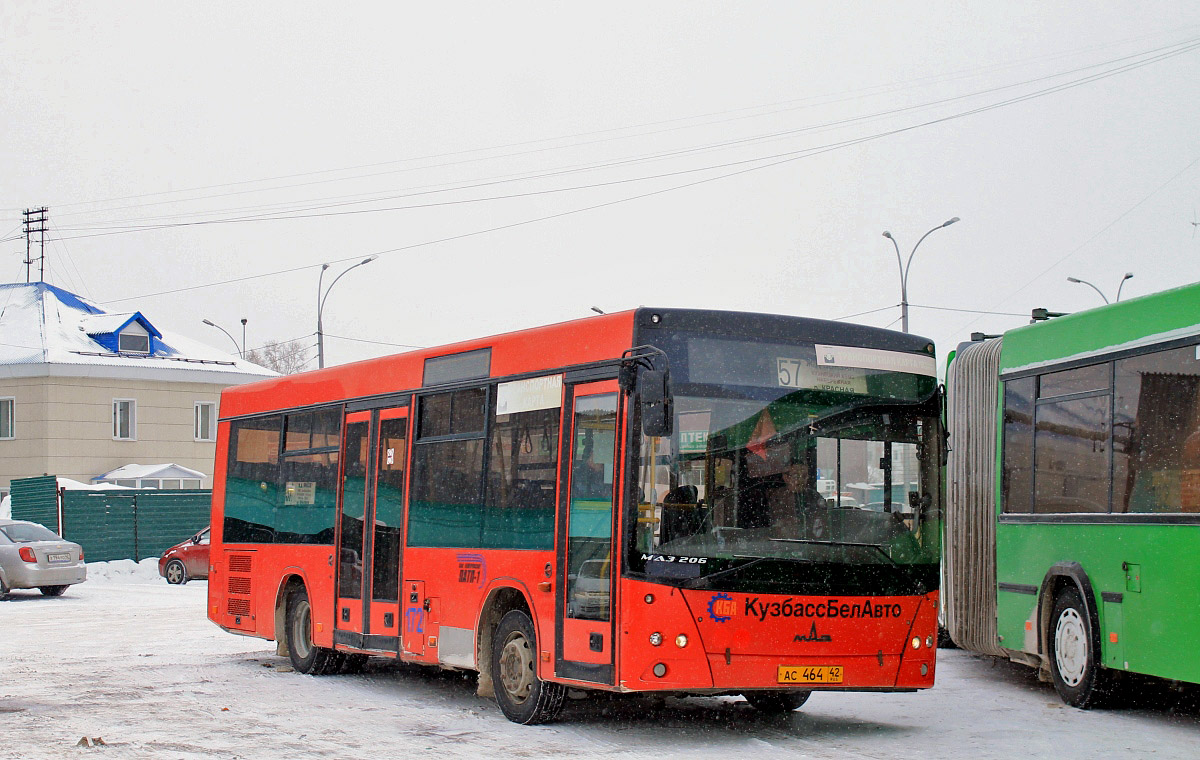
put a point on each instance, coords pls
(519, 509)
(447, 473)
(1156, 433)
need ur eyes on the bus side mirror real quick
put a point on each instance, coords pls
(655, 402)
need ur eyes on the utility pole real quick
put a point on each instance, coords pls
(35, 221)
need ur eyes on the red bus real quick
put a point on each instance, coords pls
(667, 500)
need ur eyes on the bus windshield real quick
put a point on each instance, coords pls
(833, 475)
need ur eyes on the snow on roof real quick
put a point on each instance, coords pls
(75, 485)
(139, 471)
(99, 324)
(41, 324)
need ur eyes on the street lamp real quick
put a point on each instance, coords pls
(241, 352)
(1127, 276)
(904, 268)
(321, 305)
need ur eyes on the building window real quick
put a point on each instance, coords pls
(206, 421)
(130, 342)
(124, 419)
(6, 417)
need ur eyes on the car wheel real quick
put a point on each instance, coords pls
(53, 590)
(306, 657)
(1078, 677)
(175, 572)
(3, 590)
(523, 697)
(776, 702)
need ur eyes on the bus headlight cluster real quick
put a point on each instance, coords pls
(655, 638)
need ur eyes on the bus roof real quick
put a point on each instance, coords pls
(576, 342)
(1127, 325)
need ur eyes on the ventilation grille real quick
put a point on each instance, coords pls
(239, 563)
(239, 585)
(238, 607)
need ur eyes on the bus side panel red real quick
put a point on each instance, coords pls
(455, 583)
(648, 608)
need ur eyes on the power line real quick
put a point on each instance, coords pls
(295, 212)
(972, 311)
(376, 342)
(774, 160)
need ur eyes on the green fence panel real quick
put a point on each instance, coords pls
(36, 500)
(133, 524)
(167, 517)
(101, 524)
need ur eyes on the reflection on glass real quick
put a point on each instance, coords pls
(590, 521)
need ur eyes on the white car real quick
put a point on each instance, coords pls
(33, 556)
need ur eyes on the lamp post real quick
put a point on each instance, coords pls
(905, 265)
(241, 352)
(321, 305)
(1128, 275)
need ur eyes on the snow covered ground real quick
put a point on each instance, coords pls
(132, 660)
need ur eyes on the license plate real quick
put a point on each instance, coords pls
(64, 557)
(810, 674)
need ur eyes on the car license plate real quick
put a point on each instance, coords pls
(810, 674)
(63, 557)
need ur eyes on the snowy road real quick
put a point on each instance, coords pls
(134, 661)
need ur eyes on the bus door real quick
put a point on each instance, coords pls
(370, 523)
(585, 627)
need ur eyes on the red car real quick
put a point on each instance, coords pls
(187, 560)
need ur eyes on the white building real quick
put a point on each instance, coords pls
(84, 392)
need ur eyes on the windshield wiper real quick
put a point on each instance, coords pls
(754, 560)
(861, 545)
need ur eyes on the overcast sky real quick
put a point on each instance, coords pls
(514, 164)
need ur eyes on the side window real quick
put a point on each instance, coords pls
(1017, 476)
(7, 418)
(252, 480)
(522, 473)
(1156, 432)
(124, 419)
(1071, 430)
(447, 476)
(274, 498)
(206, 421)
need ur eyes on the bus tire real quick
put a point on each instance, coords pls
(776, 702)
(306, 657)
(1079, 678)
(523, 697)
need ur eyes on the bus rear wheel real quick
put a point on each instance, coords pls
(523, 697)
(306, 657)
(776, 702)
(1078, 677)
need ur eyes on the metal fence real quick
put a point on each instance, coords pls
(132, 524)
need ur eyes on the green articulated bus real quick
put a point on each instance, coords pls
(1073, 517)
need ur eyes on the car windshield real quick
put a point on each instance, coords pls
(802, 477)
(23, 533)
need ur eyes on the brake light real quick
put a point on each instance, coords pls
(81, 555)
(26, 554)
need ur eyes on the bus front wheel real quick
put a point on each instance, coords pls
(1078, 676)
(523, 697)
(306, 657)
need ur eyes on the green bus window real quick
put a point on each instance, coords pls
(1156, 432)
(1071, 456)
(1079, 380)
(1017, 478)
(447, 472)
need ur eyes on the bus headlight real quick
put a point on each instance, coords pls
(916, 642)
(681, 641)
(655, 638)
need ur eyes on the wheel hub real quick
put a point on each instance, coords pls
(1070, 647)
(516, 667)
